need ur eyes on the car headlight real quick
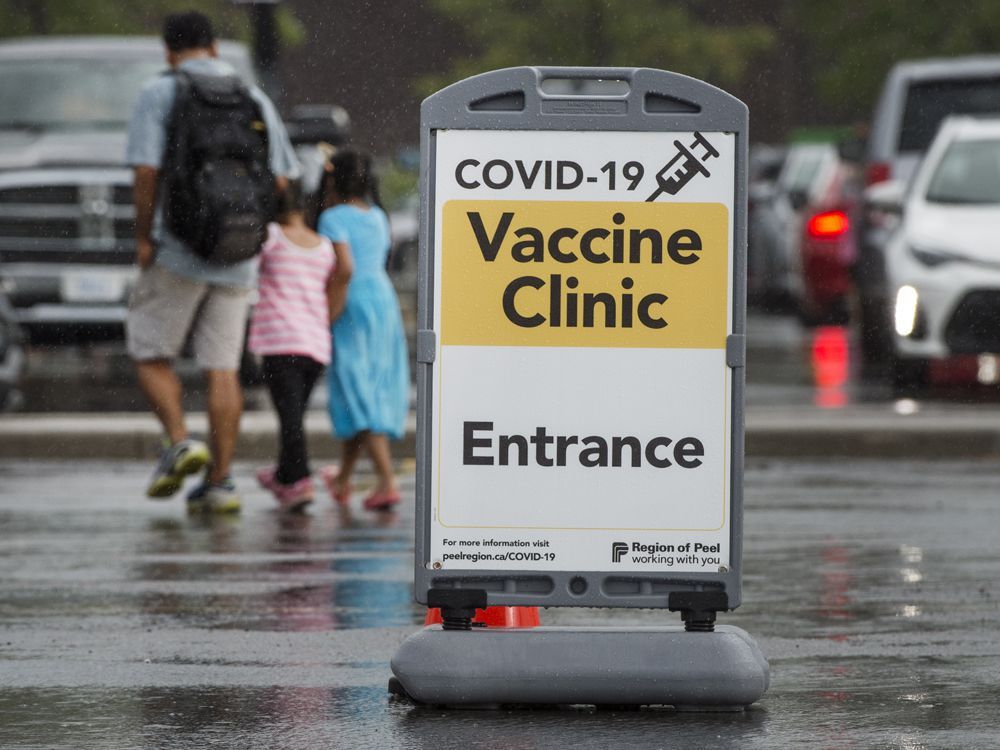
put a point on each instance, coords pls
(932, 258)
(907, 300)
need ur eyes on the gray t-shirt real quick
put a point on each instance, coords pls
(147, 134)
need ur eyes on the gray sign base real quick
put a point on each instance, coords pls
(723, 670)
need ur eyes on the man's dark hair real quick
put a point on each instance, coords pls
(191, 30)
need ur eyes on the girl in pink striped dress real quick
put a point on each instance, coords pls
(302, 288)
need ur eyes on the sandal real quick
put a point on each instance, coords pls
(381, 500)
(340, 493)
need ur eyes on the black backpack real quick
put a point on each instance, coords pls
(219, 191)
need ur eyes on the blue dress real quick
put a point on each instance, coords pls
(368, 377)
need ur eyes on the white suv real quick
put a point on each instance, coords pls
(917, 96)
(943, 263)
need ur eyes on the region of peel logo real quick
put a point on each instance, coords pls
(617, 550)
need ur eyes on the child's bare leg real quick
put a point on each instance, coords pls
(378, 447)
(349, 453)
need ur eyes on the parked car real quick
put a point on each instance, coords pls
(764, 167)
(774, 277)
(66, 214)
(11, 354)
(828, 248)
(943, 263)
(916, 97)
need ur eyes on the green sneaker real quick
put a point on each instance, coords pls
(214, 497)
(178, 461)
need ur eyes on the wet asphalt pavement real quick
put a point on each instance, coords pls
(870, 586)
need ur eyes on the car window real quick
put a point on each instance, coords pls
(71, 93)
(969, 172)
(930, 102)
(803, 171)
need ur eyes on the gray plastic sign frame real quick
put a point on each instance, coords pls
(513, 99)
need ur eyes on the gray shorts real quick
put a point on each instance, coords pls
(165, 308)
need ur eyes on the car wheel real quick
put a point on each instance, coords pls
(840, 311)
(873, 334)
(808, 315)
(835, 312)
(907, 374)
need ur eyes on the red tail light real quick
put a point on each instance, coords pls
(828, 224)
(878, 171)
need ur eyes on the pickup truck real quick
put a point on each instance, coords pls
(66, 213)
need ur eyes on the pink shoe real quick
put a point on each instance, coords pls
(266, 478)
(330, 475)
(381, 500)
(295, 496)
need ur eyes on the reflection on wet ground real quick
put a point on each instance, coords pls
(871, 586)
(792, 365)
(343, 718)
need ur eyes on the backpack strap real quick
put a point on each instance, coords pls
(182, 82)
(177, 134)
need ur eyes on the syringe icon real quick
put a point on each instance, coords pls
(684, 166)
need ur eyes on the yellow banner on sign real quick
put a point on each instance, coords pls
(603, 274)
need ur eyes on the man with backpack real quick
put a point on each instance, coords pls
(210, 156)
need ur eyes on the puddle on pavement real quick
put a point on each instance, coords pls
(331, 570)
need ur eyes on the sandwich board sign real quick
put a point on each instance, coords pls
(580, 388)
(580, 352)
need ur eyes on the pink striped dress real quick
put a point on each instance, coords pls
(292, 316)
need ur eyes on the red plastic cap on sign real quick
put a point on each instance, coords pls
(496, 617)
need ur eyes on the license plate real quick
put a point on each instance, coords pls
(93, 286)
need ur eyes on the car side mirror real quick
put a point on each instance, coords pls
(888, 196)
(798, 199)
(761, 193)
(318, 123)
(852, 150)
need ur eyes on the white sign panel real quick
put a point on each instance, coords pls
(582, 298)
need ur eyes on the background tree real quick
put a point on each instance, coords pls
(794, 62)
(41, 17)
(650, 33)
(851, 44)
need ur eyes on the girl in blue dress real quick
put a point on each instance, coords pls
(369, 381)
